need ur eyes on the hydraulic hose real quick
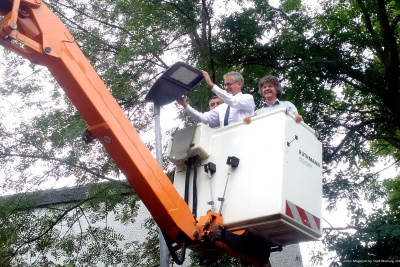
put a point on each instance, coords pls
(194, 204)
(187, 180)
(177, 259)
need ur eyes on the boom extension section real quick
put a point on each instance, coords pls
(30, 29)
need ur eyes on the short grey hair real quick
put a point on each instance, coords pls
(270, 79)
(236, 76)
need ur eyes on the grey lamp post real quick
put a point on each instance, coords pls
(175, 82)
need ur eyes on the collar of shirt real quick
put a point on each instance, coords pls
(273, 104)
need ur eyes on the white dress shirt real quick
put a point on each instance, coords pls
(241, 105)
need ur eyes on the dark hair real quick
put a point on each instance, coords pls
(213, 97)
(270, 79)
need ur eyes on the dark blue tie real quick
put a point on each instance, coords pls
(227, 115)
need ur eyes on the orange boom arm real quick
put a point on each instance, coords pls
(44, 40)
(31, 29)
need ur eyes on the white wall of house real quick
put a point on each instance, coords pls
(290, 256)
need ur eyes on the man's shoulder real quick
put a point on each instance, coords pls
(220, 108)
(245, 95)
(285, 102)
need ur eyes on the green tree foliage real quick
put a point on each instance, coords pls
(75, 232)
(338, 62)
(375, 239)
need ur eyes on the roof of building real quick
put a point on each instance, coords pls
(65, 195)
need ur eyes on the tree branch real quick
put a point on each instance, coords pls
(349, 227)
(54, 223)
(209, 39)
(369, 27)
(62, 161)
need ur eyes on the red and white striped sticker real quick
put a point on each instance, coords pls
(302, 216)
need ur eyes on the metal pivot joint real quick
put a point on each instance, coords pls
(210, 168)
(233, 162)
(88, 137)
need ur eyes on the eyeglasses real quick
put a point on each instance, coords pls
(229, 84)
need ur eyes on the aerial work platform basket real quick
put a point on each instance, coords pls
(267, 179)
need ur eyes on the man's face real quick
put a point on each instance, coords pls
(215, 102)
(231, 86)
(269, 91)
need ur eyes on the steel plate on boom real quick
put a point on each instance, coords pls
(175, 82)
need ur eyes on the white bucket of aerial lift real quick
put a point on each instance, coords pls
(275, 191)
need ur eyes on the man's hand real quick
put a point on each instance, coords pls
(182, 101)
(207, 79)
(247, 119)
(298, 118)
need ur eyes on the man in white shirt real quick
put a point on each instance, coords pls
(236, 105)
(270, 88)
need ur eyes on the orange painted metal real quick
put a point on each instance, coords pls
(207, 223)
(33, 31)
(42, 38)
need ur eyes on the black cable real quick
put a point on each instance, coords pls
(178, 260)
(194, 204)
(187, 180)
